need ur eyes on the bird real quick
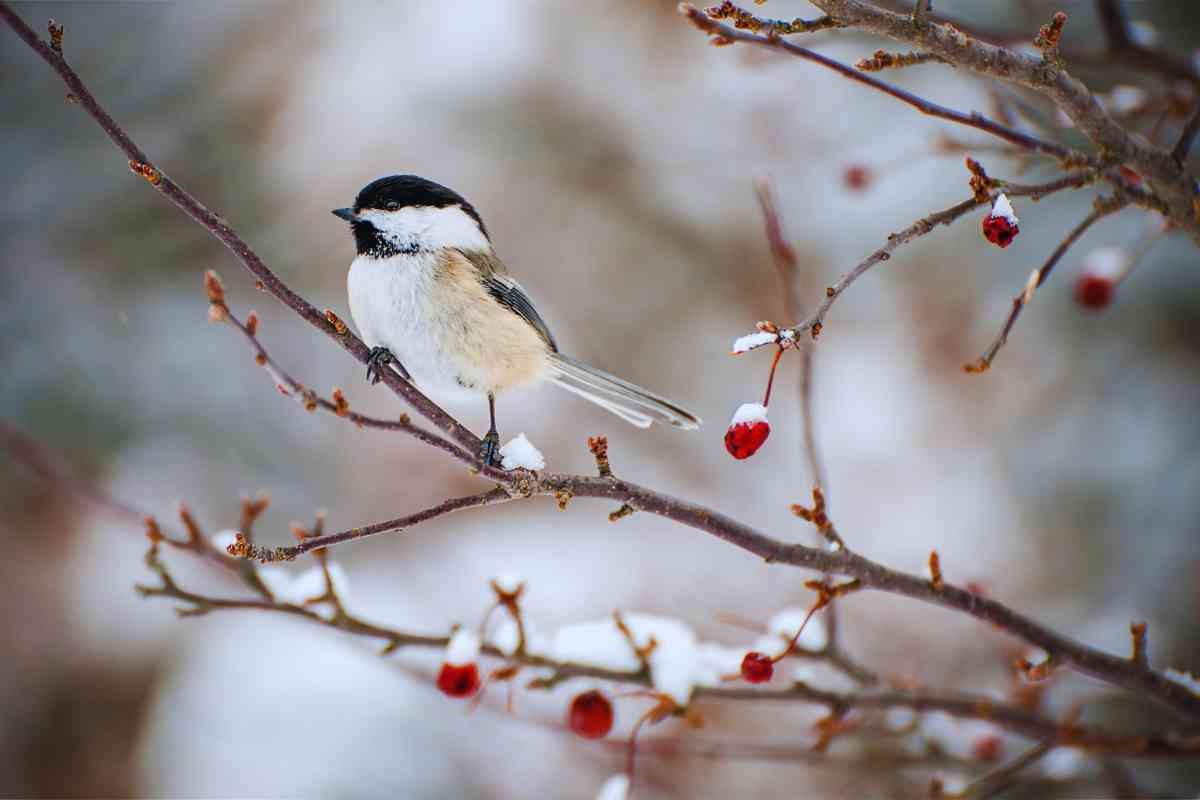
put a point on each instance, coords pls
(431, 299)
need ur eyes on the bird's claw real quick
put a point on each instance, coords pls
(489, 450)
(378, 360)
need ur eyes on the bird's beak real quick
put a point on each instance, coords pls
(345, 213)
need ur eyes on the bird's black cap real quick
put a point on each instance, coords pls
(412, 190)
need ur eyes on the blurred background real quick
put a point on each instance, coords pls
(612, 153)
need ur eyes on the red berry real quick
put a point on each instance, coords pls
(1130, 175)
(458, 680)
(757, 667)
(999, 230)
(857, 177)
(590, 715)
(988, 748)
(748, 429)
(1094, 291)
(744, 439)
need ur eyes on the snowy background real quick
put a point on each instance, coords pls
(612, 154)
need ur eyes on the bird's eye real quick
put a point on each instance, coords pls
(393, 206)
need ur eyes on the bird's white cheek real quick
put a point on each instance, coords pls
(428, 228)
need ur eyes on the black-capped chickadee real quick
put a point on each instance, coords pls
(429, 294)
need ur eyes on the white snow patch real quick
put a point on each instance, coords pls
(223, 539)
(615, 788)
(749, 413)
(785, 624)
(675, 663)
(954, 736)
(520, 452)
(1106, 262)
(462, 649)
(305, 588)
(505, 637)
(750, 341)
(1184, 679)
(1123, 98)
(770, 645)
(1063, 763)
(899, 718)
(1003, 208)
(953, 783)
(718, 662)
(1036, 656)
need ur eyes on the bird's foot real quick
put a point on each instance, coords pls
(489, 450)
(378, 360)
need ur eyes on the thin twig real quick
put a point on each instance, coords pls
(1173, 185)
(1003, 715)
(1187, 136)
(312, 401)
(141, 164)
(725, 33)
(1037, 278)
(1003, 776)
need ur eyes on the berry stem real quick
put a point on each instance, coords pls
(821, 603)
(771, 377)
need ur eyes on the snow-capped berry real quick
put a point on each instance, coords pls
(1094, 291)
(458, 680)
(757, 667)
(747, 430)
(590, 715)
(1000, 226)
(459, 675)
(857, 177)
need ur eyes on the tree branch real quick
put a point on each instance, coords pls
(1170, 181)
(268, 281)
(1062, 649)
(725, 34)
(1038, 277)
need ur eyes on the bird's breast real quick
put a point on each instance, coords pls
(436, 317)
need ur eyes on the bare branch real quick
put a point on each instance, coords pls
(724, 33)
(746, 21)
(1187, 136)
(882, 60)
(1002, 777)
(1171, 183)
(221, 230)
(1113, 669)
(1037, 278)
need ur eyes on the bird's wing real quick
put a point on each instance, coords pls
(508, 292)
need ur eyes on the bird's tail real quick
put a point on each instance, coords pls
(631, 403)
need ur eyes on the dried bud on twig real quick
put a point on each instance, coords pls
(882, 60)
(153, 532)
(1050, 35)
(1141, 652)
(935, 571)
(599, 447)
(56, 36)
(341, 406)
(624, 511)
(338, 326)
(147, 171)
